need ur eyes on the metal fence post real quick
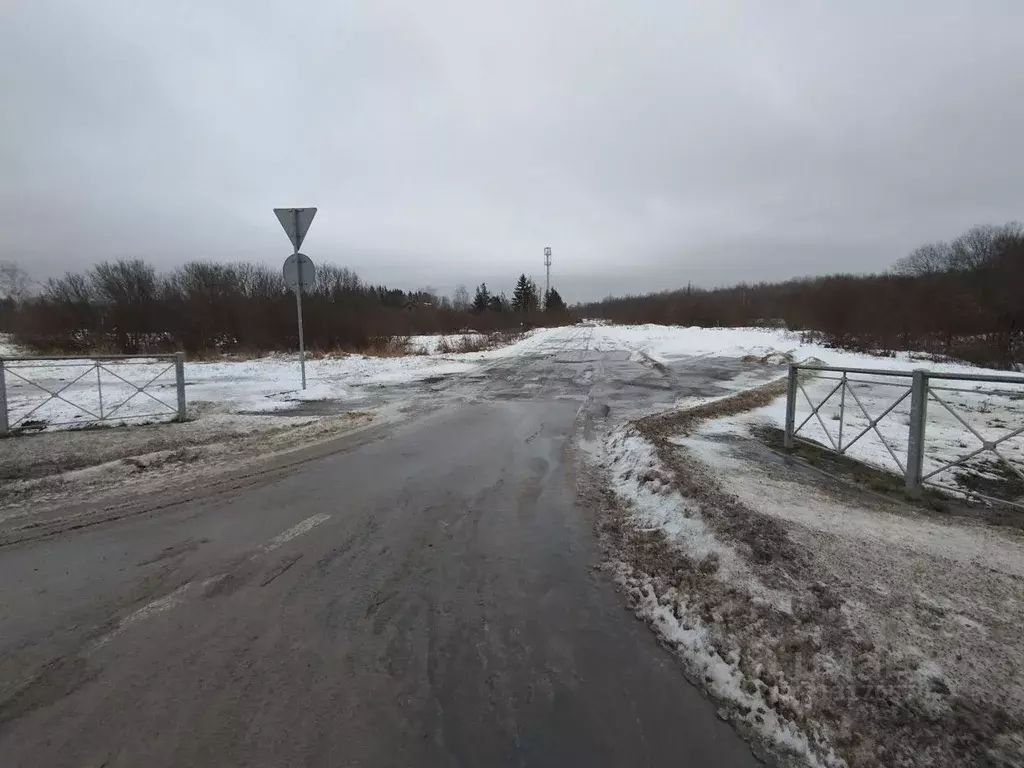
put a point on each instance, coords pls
(842, 413)
(918, 417)
(4, 426)
(790, 407)
(179, 377)
(99, 388)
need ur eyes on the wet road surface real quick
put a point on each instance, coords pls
(424, 595)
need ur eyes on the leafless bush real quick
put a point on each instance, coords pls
(473, 343)
(389, 346)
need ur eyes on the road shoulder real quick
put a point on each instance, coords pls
(832, 628)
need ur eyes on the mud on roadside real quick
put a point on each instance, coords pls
(73, 466)
(807, 668)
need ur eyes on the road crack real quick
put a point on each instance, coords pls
(281, 567)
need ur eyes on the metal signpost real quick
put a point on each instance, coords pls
(547, 283)
(298, 268)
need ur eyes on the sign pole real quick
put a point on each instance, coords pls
(298, 266)
(298, 309)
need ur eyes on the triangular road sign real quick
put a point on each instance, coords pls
(296, 223)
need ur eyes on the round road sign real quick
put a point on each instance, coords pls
(298, 270)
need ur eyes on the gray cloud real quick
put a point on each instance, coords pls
(649, 143)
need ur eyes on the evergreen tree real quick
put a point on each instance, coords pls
(553, 302)
(482, 299)
(497, 303)
(524, 298)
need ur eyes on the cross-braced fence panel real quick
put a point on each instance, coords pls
(962, 432)
(47, 393)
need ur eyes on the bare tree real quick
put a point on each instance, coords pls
(460, 299)
(980, 246)
(931, 259)
(14, 282)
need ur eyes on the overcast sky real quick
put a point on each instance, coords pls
(650, 144)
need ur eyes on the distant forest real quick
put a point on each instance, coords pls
(963, 299)
(128, 307)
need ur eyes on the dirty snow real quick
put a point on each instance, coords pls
(637, 479)
(992, 410)
(942, 596)
(888, 620)
(271, 383)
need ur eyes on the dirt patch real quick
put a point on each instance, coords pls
(993, 479)
(35, 456)
(764, 538)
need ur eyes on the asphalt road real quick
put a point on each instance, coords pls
(423, 595)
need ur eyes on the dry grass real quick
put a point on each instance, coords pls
(389, 346)
(462, 344)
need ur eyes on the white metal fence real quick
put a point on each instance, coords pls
(961, 432)
(42, 392)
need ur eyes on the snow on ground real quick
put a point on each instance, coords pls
(943, 598)
(993, 410)
(639, 481)
(7, 346)
(440, 344)
(665, 343)
(262, 385)
(271, 384)
(838, 627)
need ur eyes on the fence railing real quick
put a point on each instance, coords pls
(923, 448)
(72, 391)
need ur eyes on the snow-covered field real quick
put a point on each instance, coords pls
(264, 385)
(271, 385)
(993, 410)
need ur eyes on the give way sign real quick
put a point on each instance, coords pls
(296, 223)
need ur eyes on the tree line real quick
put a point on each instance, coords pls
(962, 299)
(128, 307)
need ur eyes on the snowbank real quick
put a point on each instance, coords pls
(833, 627)
(696, 628)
